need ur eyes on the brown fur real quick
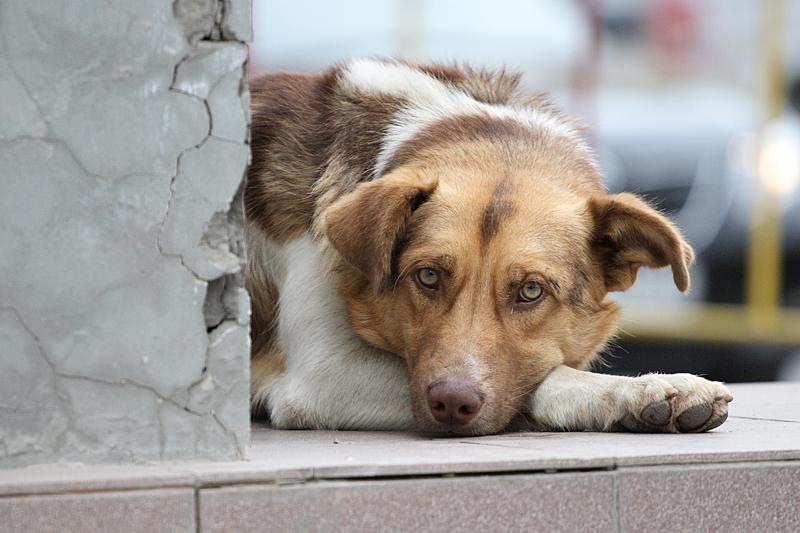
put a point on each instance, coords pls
(488, 203)
(499, 208)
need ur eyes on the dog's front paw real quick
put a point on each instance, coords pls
(673, 403)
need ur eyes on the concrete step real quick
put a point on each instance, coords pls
(744, 476)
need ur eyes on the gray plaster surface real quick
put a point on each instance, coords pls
(123, 144)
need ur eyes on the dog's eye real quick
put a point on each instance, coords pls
(530, 292)
(428, 278)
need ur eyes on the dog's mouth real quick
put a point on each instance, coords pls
(474, 429)
(455, 407)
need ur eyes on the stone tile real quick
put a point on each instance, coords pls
(545, 502)
(717, 498)
(336, 454)
(135, 511)
(771, 401)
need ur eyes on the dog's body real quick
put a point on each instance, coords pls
(429, 248)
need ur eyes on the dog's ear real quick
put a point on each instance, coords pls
(365, 225)
(629, 234)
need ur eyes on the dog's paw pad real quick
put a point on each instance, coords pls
(694, 417)
(673, 403)
(700, 406)
(717, 422)
(629, 423)
(657, 413)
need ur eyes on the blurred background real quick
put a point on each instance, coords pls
(694, 104)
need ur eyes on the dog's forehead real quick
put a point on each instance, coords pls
(502, 217)
(505, 200)
(543, 234)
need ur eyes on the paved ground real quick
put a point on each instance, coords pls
(744, 476)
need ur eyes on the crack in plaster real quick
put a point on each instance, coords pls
(174, 177)
(121, 382)
(213, 24)
(198, 146)
(162, 226)
(43, 116)
(43, 354)
(231, 435)
(133, 383)
(240, 449)
(187, 13)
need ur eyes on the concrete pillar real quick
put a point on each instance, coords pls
(123, 144)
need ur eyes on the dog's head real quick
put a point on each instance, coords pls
(484, 275)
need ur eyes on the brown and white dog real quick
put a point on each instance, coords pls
(430, 248)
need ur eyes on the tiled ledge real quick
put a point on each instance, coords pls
(743, 476)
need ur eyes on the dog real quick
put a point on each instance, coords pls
(430, 248)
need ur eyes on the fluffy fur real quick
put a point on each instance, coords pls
(376, 170)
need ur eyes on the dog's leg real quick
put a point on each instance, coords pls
(331, 378)
(570, 399)
(373, 397)
(361, 391)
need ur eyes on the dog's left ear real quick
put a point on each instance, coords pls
(629, 234)
(364, 225)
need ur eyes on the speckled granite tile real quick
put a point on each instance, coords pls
(154, 511)
(544, 502)
(726, 498)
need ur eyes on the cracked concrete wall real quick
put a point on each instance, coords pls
(123, 144)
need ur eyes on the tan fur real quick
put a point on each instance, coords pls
(485, 202)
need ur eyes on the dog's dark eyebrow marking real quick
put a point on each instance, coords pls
(553, 283)
(576, 294)
(498, 209)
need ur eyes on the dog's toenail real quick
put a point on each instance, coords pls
(657, 413)
(695, 416)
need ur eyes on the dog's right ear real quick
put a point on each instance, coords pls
(364, 225)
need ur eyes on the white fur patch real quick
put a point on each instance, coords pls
(395, 79)
(333, 379)
(431, 100)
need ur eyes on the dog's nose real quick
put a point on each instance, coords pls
(454, 401)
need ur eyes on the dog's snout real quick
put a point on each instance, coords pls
(454, 401)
